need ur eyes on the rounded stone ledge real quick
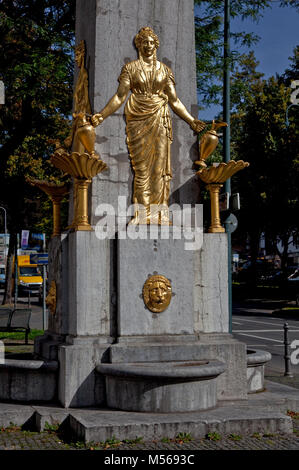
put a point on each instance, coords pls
(29, 364)
(256, 360)
(257, 357)
(185, 370)
(162, 387)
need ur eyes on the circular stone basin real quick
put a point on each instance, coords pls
(162, 386)
(256, 360)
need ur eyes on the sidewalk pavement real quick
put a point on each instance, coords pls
(14, 437)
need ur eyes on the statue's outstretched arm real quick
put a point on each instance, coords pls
(178, 107)
(113, 105)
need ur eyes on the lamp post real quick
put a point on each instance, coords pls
(226, 142)
(5, 231)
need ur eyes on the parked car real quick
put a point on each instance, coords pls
(293, 286)
(246, 272)
(2, 276)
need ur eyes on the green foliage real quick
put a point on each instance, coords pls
(36, 65)
(137, 440)
(111, 443)
(235, 437)
(213, 436)
(11, 428)
(20, 335)
(292, 72)
(184, 437)
(209, 33)
(51, 428)
(269, 187)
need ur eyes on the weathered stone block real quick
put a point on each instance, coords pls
(28, 381)
(137, 261)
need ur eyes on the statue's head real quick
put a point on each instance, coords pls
(80, 53)
(157, 293)
(146, 40)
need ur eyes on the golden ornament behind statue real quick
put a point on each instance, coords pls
(83, 163)
(51, 298)
(214, 176)
(85, 134)
(208, 143)
(56, 192)
(83, 167)
(78, 165)
(221, 172)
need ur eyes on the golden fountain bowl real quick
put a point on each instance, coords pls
(50, 188)
(220, 173)
(78, 165)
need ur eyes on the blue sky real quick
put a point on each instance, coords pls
(279, 33)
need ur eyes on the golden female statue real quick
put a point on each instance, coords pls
(149, 130)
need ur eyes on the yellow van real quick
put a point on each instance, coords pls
(29, 276)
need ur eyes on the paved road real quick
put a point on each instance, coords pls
(255, 324)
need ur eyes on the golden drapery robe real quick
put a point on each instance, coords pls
(149, 132)
(81, 105)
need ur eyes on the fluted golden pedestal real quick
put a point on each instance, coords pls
(56, 192)
(215, 226)
(83, 167)
(215, 176)
(80, 221)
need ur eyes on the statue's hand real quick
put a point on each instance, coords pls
(68, 141)
(97, 119)
(198, 125)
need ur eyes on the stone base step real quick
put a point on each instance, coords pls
(100, 426)
(262, 413)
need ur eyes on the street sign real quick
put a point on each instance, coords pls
(231, 223)
(224, 202)
(229, 202)
(235, 202)
(2, 93)
(235, 257)
(39, 258)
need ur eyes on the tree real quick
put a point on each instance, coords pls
(36, 65)
(209, 41)
(258, 135)
(292, 73)
(269, 187)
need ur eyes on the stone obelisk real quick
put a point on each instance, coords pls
(102, 317)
